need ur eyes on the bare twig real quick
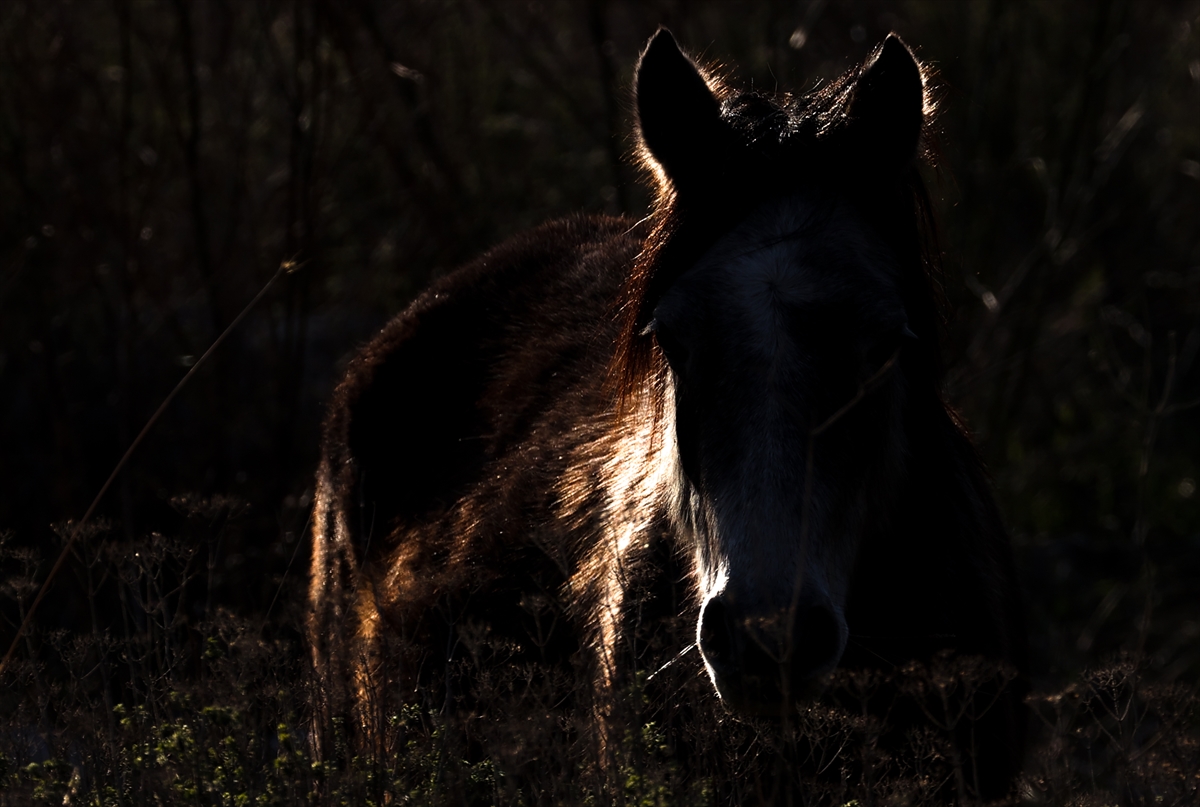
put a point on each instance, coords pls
(284, 268)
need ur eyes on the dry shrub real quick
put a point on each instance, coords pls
(175, 704)
(1113, 735)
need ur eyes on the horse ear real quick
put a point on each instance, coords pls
(679, 118)
(887, 108)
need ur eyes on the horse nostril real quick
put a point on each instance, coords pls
(716, 634)
(817, 640)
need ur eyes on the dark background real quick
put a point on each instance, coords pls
(160, 158)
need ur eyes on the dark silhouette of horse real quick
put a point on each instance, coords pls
(737, 398)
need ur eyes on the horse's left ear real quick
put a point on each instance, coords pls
(887, 107)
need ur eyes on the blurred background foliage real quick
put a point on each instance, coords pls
(160, 158)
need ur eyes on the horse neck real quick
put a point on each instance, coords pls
(940, 558)
(945, 488)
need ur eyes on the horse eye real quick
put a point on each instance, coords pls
(671, 347)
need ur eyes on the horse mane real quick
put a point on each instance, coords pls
(791, 140)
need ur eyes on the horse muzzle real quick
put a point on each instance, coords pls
(763, 661)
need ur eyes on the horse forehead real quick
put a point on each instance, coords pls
(799, 253)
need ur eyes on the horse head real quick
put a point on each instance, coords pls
(779, 298)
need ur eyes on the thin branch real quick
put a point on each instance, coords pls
(287, 267)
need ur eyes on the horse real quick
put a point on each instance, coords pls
(737, 397)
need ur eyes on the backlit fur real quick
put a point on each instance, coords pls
(516, 464)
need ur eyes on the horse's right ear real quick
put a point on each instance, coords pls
(679, 118)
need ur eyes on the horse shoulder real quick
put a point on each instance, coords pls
(449, 429)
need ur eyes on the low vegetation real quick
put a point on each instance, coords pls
(187, 703)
